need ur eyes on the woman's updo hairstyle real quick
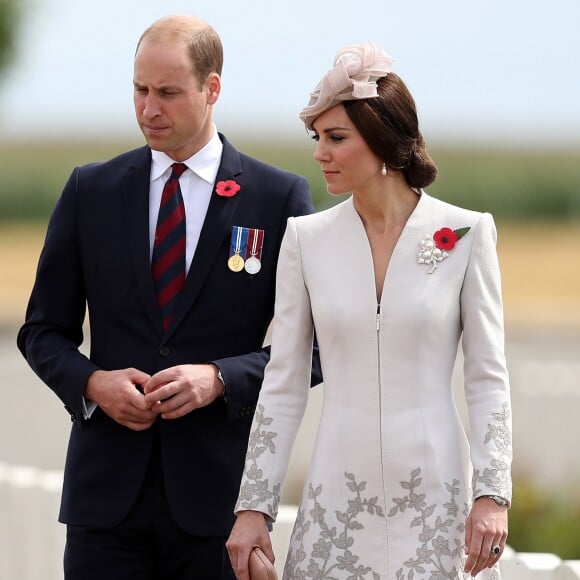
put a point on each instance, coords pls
(389, 125)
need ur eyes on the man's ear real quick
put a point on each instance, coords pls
(214, 87)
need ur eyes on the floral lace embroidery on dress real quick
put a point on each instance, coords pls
(438, 555)
(435, 551)
(434, 546)
(497, 477)
(256, 490)
(334, 549)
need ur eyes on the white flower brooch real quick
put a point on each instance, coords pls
(434, 249)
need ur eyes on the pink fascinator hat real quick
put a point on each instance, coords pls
(354, 76)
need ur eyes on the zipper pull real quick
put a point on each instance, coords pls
(378, 317)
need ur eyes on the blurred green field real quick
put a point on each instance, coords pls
(512, 184)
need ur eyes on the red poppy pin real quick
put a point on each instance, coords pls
(434, 249)
(227, 188)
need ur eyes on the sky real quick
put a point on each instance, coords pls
(499, 70)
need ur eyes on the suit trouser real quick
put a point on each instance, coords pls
(147, 544)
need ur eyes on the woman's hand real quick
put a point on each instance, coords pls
(486, 528)
(248, 532)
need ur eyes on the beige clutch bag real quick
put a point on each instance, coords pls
(260, 567)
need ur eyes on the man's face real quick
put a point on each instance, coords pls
(173, 111)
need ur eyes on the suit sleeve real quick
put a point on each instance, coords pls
(243, 375)
(284, 394)
(485, 371)
(52, 332)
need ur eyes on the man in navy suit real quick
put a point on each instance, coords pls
(162, 406)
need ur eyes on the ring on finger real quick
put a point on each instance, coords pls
(496, 550)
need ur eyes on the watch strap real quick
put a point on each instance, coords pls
(498, 499)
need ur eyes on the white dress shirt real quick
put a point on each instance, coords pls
(196, 184)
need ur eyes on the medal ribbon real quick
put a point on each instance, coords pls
(239, 240)
(255, 241)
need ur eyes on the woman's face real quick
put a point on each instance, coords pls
(347, 163)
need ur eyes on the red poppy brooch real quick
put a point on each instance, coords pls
(227, 188)
(434, 249)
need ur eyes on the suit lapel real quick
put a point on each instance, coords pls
(216, 227)
(137, 207)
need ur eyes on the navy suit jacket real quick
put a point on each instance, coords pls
(96, 256)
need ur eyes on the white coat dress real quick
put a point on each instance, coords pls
(393, 473)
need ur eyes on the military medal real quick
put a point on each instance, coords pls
(236, 263)
(253, 264)
(238, 243)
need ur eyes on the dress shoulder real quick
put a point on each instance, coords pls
(454, 212)
(319, 222)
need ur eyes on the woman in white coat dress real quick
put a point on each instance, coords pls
(390, 280)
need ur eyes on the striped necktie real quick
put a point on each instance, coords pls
(168, 262)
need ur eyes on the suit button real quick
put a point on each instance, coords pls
(164, 351)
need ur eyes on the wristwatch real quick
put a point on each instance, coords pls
(223, 382)
(500, 501)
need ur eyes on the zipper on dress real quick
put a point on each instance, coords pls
(379, 378)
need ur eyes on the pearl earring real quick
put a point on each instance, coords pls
(384, 169)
